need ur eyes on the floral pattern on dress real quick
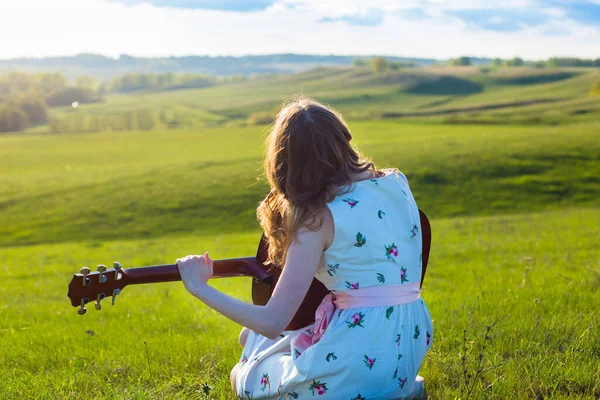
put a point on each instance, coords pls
(388, 312)
(332, 269)
(380, 214)
(417, 332)
(320, 388)
(428, 342)
(369, 362)
(380, 278)
(401, 382)
(403, 277)
(414, 231)
(264, 381)
(391, 252)
(359, 397)
(244, 360)
(360, 240)
(330, 357)
(356, 320)
(352, 286)
(351, 202)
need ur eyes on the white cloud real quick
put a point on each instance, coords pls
(554, 12)
(64, 27)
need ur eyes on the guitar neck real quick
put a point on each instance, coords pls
(228, 268)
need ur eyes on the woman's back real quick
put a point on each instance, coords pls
(377, 236)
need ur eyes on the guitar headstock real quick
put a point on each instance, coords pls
(95, 286)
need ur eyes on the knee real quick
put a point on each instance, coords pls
(244, 336)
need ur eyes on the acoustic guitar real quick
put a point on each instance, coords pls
(88, 286)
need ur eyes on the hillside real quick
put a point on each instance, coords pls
(152, 184)
(448, 95)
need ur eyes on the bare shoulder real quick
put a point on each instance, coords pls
(322, 233)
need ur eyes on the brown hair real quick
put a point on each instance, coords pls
(309, 161)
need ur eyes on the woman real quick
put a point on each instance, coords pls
(333, 216)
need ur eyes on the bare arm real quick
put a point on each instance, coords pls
(303, 258)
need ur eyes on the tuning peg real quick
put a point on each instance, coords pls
(85, 271)
(101, 268)
(97, 305)
(114, 295)
(82, 310)
(117, 267)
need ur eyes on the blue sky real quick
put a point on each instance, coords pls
(532, 29)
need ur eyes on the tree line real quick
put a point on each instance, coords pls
(135, 82)
(25, 98)
(518, 61)
(382, 64)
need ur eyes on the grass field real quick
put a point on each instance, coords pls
(504, 96)
(514, 213)
(159, 342)
(141, 185)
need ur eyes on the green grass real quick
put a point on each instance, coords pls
(545, 342)
(514, 212)
(362, 94)
(139, 185)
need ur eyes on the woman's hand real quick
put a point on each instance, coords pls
(195, 271)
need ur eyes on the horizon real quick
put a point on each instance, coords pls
(366, 56)
(431, 29)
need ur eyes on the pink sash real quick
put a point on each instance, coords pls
(373, 296)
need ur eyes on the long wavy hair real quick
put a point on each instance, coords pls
(309, 161)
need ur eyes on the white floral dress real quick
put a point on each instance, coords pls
(365, 353)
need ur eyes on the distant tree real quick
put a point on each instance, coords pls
(572, 62)
(515, 62)
(539, 64)
(401, 64)
(20, 82)
(134, 82)
(358, 62)
(34, 106)
(12, 119)
(67, 96)
(497, 62)
(460, 62)
(595, 89)
(379, 64)
(53, 81)
(88, 82)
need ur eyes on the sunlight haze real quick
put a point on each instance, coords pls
(533, 29)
